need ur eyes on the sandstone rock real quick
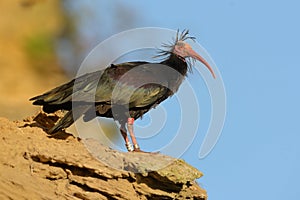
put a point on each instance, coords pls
(35, 166)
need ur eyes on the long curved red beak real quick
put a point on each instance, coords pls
(196, 56)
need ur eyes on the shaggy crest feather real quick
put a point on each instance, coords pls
(167, 48)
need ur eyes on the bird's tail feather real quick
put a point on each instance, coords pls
(64, 122)
(69, 118)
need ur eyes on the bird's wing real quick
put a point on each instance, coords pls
(136, 84)
(85, 88)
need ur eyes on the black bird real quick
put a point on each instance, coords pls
(123, 91)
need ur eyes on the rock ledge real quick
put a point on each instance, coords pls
(35, 166)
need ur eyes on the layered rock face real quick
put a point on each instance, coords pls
(36, 166)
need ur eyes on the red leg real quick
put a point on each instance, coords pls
(127, 141)
(130, 123)
(136, 147)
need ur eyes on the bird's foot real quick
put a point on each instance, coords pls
(137, 149)
(141, 151)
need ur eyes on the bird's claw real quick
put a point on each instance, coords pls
(136, 148)
(141, 151)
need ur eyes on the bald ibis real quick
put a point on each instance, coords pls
(141, 86)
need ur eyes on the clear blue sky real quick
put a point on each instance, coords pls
(256, 47)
